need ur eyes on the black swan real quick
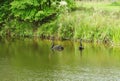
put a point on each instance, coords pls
(57, 47)
(81, 46)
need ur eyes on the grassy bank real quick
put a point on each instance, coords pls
(89, 21)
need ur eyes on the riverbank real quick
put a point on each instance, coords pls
(92, 23)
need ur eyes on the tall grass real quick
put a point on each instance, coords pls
(87, 23)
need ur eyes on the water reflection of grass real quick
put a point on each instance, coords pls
(33, 58)
(36, 53)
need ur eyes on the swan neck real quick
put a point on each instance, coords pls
(52, 45)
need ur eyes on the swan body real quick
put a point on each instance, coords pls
(57, 47)
(81, 47)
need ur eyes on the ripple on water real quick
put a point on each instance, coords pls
(82, 74)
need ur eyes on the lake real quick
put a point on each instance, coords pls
(33, 60)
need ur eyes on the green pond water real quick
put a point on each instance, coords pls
(33, 60)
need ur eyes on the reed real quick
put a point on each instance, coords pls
(90, 24)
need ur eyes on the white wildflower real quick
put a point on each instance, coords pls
(63, 3)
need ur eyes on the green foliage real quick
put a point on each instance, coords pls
(15, 28)
(87, 23)
(48, 29)
(35, 10)
(16, 14)
(25, 9)
(4, 11)
(95, 25)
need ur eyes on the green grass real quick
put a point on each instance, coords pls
(91, 21)
(100, 5)
(98, 22)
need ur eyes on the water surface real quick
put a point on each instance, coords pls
(33, 60)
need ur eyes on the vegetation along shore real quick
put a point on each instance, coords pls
(92, 21)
